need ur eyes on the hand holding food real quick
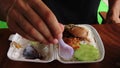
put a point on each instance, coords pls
(90, 50)
(33, 20)
(77, 37)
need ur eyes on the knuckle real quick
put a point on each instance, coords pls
(26, 8)
(39, 23)
(23, 22)
(113, 18)
(48, 15)
(56, 33)
(31, 31)
(50, 38)
(22, 6)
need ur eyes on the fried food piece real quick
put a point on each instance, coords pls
(73, 35)
(79, 32)
(17, 45)
(73, 42)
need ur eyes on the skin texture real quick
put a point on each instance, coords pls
(35, 21)
(113, 15)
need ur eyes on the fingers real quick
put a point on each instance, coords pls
(48, 17)
(35, 21)
(62, 27)
(113, 17)
(24, 28)
(15, 28)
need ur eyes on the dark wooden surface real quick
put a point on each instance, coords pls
(110, 34)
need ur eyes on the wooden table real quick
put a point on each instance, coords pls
(110, 34)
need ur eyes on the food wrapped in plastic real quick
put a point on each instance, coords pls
(84, 39)
(22, 49)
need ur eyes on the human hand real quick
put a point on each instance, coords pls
(113, 15)
(34, 20)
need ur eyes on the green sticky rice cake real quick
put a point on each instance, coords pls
(86, 53)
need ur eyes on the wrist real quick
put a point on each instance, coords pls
(4, 8)
(112, 3)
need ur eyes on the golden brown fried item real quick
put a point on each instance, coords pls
(79, 32)
(73, 35)
(73, 42)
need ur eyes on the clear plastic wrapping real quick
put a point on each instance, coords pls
(50, 52)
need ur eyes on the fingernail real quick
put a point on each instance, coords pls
(59, 36)
(62, 27)
(55, 41)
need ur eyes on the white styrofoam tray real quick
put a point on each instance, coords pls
(52, 50)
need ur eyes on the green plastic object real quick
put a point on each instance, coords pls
(3, 24)
(102, 7)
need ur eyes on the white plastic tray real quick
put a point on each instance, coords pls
(16, 54)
